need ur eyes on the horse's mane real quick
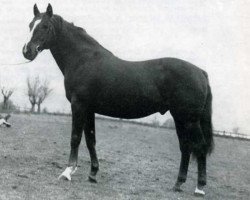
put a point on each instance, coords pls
(80, 32)
(59, 22)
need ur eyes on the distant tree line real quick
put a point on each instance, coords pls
(37, 92)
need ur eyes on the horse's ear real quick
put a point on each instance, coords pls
(35, 10)
(49, 10)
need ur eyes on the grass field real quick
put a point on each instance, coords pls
(136, 162)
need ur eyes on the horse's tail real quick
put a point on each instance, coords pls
(206, 121)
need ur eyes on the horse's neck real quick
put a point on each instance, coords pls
(72, 46)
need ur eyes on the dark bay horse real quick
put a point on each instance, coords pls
(96, 81)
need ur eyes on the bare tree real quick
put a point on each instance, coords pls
(33, 86)
(43, 92)
(6, 96)
(38, 91)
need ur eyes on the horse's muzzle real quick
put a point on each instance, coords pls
(30, 51)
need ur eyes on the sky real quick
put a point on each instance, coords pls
(210, 34)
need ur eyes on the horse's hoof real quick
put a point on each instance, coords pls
(92, 179)
(199, 192)
(177, 189)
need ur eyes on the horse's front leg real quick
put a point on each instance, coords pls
(89, 130)
(78, 122)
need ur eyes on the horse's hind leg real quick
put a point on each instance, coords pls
(198, 143)
(207, 130)
(89, 131)
(185, 156)
(191, 140)
(201, 161)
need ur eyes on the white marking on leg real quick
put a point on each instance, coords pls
(68, 172)
(199, 192)
(31, 34)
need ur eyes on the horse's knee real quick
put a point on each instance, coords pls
(185, 147)
(75, 140)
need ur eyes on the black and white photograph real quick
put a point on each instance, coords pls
(124, 100)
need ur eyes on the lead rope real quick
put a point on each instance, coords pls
(21, 63)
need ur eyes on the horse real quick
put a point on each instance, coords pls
(97, 81)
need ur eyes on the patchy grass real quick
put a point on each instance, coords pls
(136, 162)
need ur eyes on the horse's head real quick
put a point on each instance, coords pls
(41, 34)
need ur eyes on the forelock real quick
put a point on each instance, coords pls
(34, 22)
